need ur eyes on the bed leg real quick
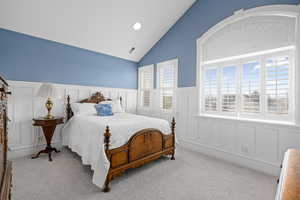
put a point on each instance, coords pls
(107, 135)
(173, 133)
(68, 108)
(106, 187)
(173, 157)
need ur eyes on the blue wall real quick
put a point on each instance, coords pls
(26, 58)
(180, 40)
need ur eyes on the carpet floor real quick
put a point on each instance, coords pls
(192, 176)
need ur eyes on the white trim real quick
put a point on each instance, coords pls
(278, 10)
(60, 85)
(249, 120)
(22, 151)
(248, 55)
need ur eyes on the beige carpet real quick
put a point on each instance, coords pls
(191, 176)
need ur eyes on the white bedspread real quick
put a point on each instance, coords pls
(84, 135)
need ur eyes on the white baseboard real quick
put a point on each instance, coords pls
(265, 167)
(29, 150)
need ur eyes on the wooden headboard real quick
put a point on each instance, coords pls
(95, 98)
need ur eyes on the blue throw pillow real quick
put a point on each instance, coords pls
(104, 109)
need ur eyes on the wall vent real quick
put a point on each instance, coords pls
(131, 50)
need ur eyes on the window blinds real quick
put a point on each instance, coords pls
(211, 89)
(250, 87)
(146, 78)
(145, 85)
(228, 88)
(255, 87)
(277, 85)
(167, 83)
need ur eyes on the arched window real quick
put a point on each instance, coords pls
(246, 65)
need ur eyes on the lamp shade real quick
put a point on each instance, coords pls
(48, 90)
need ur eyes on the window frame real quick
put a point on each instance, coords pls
(239, 62)
(174, 88)
(141, 90)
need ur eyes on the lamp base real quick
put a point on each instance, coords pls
(49, 117)
(49, 105)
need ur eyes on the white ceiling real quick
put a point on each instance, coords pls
(103, 26)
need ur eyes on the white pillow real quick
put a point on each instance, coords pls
(116, 105)
(83, 108)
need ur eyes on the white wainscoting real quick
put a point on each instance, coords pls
(252, 144)
(24, 139)
(255, 145)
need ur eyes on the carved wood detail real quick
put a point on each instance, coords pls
(143, 147)
(5, 165)
(95, 98)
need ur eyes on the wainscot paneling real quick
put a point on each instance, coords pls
(256, 145)
(24, 139)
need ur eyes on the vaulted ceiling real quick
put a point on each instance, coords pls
(103, 26)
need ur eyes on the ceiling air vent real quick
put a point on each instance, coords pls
(131, 50)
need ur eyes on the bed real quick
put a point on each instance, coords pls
(113, 144)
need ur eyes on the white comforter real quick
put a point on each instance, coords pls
(84, 135)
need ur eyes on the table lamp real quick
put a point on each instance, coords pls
(48, 90)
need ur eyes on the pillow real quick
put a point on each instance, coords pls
(106, 102)
(104, 109)
(116, 105)
(83, 108)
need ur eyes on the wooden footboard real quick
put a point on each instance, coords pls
(143, 147)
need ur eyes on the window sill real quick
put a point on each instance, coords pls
(246, 120)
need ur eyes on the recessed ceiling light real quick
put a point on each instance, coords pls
(137, 26)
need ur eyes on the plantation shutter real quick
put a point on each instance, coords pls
(147, 79)
(145, 85)
(277, 85)
(210, 89)
(250, 87)
(228, 89)
(167, 83)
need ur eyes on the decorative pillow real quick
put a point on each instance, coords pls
(104, 109)
(116, 105)
(83, 108)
